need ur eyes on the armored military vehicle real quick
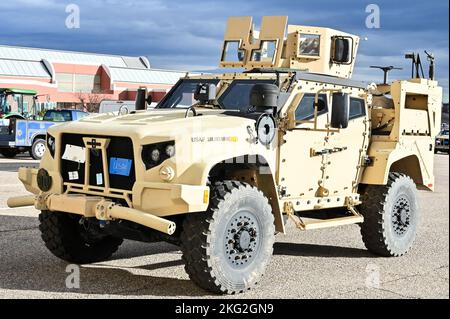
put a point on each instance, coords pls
(225, 160)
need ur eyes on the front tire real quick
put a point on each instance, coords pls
(227, 248)
(37, 149)
(71, 241)
(391, 215)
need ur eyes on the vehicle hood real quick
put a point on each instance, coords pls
(157, 123)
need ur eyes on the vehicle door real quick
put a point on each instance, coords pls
(349, 146)
(300, 174)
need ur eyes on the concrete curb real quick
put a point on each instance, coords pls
(15, 166)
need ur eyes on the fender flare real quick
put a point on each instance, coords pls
(268, 181)
(399, 160)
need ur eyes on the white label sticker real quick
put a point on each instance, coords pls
(73, 175)
(74, 153)
(99, 178)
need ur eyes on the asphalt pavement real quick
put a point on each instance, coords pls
(326, 263)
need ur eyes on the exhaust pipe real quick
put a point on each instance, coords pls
(21, 201)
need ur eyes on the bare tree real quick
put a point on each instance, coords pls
(90, 101)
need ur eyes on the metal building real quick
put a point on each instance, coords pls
(72, 78)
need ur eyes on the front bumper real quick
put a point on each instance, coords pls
(159, 199)
(90, 206)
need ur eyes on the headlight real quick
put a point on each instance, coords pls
(170, 150)
(51, 145)
(154, 154)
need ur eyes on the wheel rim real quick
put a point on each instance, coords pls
(242, 239)
(401, 216)
(39, 149)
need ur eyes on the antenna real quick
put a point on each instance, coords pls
(416, 64)
(386, 70)
(430, 58)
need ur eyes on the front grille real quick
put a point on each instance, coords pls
(119, 147)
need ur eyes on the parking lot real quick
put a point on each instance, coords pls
(328, 263)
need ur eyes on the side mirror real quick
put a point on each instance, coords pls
(141, 99)
(205, 93)
(342, 50)
(264, 97)
(340, 110)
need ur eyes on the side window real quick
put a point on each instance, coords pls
(357, 108)
(305, 110)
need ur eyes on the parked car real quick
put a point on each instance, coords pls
(441, 142)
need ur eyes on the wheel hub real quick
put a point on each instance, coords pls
(40, 149)
(401, 215)
(241, 239)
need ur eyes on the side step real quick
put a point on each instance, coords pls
(323, 219)
(310, 223)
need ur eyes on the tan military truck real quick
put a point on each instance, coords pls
(224, 160)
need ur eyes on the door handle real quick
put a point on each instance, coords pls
(324, 151)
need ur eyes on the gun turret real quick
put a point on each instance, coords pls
(280, 46)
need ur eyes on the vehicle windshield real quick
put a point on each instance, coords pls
(182, 94)
(236, 96)
(58, 116)
(444, 132)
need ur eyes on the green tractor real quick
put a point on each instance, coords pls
(18, 104)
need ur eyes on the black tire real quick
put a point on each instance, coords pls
(9, 152)
(210, 250)
(36, 149)
(67, 239)
(391, 215)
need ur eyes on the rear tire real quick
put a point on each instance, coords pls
(67, 239)
(9, 152)
(227, 248)
(391, 215)
(37, 149)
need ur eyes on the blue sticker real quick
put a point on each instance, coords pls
(120, 166)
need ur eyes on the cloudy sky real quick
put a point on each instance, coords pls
(187, 34)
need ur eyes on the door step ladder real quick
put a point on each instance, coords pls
(316, 223)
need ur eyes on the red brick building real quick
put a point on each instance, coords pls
(67, 77)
